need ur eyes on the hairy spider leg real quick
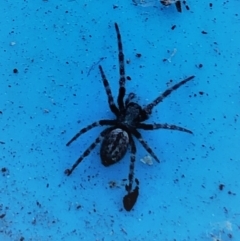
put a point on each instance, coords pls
(111, 103)
(122, 79)
(89, 127)
(130, 199)
(138, 135)
(131, 167)
(149, 107)
(68, 172)
(162, 126)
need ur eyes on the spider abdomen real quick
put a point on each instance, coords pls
(114, 146)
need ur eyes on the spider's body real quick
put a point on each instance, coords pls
(114, 146)
(115, 143)
(116, 139)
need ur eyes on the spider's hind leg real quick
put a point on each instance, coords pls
(68, 172)
(89, 127)
(138, 135)
(130, 199)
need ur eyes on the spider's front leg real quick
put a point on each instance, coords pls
(148, 109)
(122, 79)
(107, 88)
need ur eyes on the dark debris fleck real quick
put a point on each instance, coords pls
(4, 171)
(199, 66)
(221, 186)
(15, 71)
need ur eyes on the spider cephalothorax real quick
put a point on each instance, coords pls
(116, 139)
(176, 2)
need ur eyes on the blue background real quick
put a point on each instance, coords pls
(56, 45)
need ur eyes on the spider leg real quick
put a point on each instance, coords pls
(89, 127)
(149, 107)
(162, 126)
(130, 199)
(68, 172)
(138, 135)
(111, 103)
(122, 79)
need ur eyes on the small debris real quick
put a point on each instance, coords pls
(221, 186)
(34, 221)
(147, 160)
(12, 43)
(78, 206)
(113, 184)
(123, 230)
(231, 193)
(38, 204)
(173, 27)
(172, 54)
(204, 32)
(5, 171)
(46, 111)
(95, 64)
(15, 71)
(199, 66)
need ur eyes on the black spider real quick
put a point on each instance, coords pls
(177, 4)
(129, 117)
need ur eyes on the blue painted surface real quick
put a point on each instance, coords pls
(55, 46)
